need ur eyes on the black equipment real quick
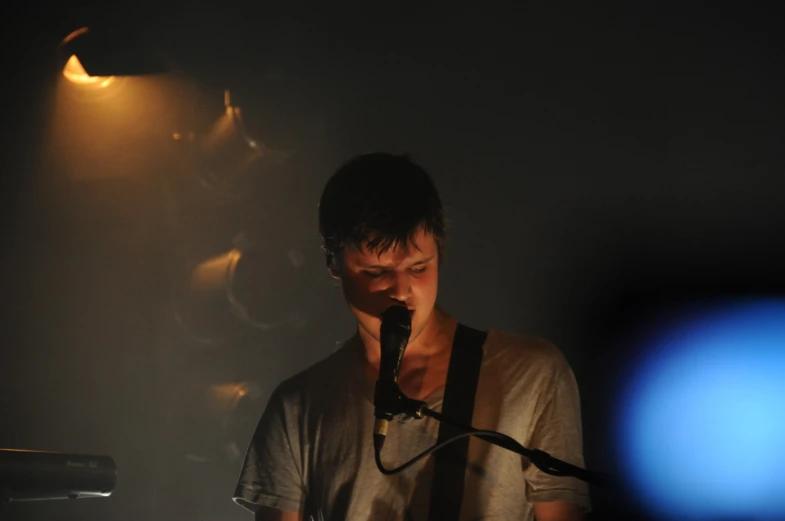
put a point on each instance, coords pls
(30, 475)
(393, 337)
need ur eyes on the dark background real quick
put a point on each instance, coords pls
(597, 163)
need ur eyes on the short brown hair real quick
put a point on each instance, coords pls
(378, 200)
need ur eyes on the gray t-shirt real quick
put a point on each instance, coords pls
(312, 451)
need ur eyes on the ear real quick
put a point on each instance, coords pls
(329, 261)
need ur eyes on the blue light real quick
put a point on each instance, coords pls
(702, 418)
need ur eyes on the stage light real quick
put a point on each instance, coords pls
(74, 72)
(96, 57)
(223, 157)
(110, 116)
(701, 419)
(214, 421)
(242, 288)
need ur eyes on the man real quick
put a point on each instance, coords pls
(383, 232)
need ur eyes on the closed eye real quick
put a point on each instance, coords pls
(376, 274)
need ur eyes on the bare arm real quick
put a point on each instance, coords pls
(557, 511)
(272, 514)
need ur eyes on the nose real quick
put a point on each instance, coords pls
(400, 287)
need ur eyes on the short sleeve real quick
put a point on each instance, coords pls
(270, 476)
(557, 430)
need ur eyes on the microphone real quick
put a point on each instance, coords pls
(394, 335)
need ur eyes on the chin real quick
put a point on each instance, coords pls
(372, 323)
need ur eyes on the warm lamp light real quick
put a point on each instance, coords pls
(74, 71)
(94, 57)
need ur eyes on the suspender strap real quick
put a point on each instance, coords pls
(449, 471)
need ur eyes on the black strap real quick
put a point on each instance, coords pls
(449, 470)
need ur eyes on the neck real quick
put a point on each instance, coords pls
(433, 340)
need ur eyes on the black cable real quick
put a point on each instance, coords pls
(432, 449)
(540, 459)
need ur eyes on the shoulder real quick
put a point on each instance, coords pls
(525, 359)
(530, 349)
(320, 377)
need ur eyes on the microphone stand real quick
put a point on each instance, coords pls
(402, 404)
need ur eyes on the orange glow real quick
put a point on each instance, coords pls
(74, 71)
(225, 397)
(78, 32)
(119, 131)
(216, 273)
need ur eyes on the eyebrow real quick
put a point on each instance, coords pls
(380, 267)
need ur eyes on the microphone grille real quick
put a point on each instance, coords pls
(396, 318)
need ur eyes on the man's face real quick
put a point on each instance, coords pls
(406, 275)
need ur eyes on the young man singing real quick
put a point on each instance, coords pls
(312, 455)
